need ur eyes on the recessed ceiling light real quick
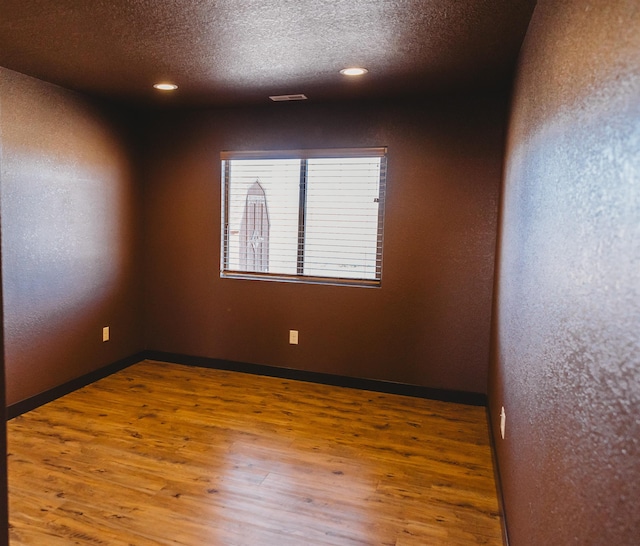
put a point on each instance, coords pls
(166, 86)
(354, 71)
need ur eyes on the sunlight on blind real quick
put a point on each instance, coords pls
(280, 180)
(341, 238)
(317, 217)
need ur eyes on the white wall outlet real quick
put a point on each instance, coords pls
(503, 422)
(105, 333)
(293, 337)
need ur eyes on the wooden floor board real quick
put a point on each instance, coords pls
(163, 454)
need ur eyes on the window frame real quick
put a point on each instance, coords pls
(303, 156)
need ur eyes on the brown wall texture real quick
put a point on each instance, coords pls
(567, 339)
(68, 236)
(4, 500)
(428, 325)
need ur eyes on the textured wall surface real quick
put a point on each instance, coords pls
(4, 501)
(68, 236)
(567, 352)
(428, 325)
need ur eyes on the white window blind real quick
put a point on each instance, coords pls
(310, 215)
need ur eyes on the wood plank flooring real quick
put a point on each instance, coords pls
(162, 454)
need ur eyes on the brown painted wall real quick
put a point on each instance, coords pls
(68, 236)
(567, 353)
(4, 500)
(428, 325)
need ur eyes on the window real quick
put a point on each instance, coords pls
(306, 215)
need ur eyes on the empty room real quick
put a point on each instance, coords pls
(320, 272)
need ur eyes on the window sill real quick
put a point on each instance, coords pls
(300, 279)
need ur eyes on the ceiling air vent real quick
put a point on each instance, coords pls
(283, 98)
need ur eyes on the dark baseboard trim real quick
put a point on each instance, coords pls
(376, 385)
(496, 474)
(48, 396)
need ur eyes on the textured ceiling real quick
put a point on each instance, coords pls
(239, 51)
